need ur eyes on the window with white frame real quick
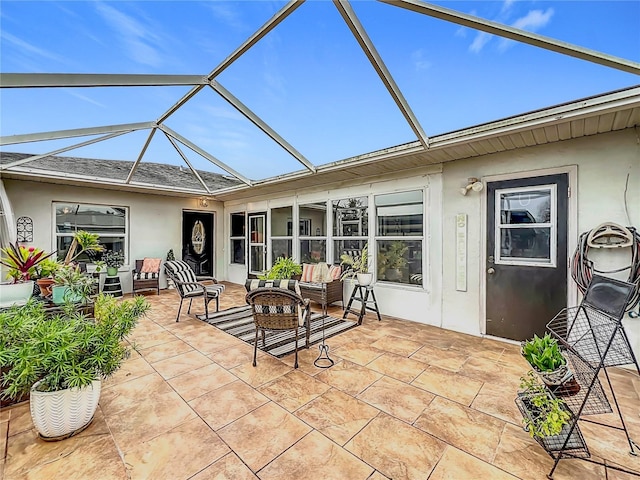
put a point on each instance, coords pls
(238, 238)
(111, 223)
(313, 232)
(281, 233)
(350, 226)
(400, 237)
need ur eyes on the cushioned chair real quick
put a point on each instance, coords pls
(325, 293)
(278, 309)
(190, 286)
(146, 275)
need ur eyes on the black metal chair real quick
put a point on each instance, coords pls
(191, 286)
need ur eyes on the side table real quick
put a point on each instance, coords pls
(112, 286)
(361, 294)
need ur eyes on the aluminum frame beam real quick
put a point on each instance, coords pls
(61, 150)
(186, 160)
(522, 36)
(258, 122)
(205, 154)
(350, 18)
(74, 132)
(55, 80)
(273, 22)
(134, 167)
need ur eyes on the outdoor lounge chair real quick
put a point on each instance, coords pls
(278, 309)
(190, 286)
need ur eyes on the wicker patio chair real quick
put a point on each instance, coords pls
(278, 309)
(190, 286)
(145, 280)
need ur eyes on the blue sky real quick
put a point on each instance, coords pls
(308, 79)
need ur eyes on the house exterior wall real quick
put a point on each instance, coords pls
(155, 221)
(601, 164)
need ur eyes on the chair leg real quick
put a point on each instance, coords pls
(255, 347)
(179, 308)
(295, 365)
(217, 304)
(264, 342)
(206, 307)
(190, 301)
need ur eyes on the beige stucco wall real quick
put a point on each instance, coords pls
(602, 164)
(155, 221)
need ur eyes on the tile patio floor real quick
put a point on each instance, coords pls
(404, 401)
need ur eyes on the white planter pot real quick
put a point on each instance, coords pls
(65, 412)
(365, 279)
(15, 293)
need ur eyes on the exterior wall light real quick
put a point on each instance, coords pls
(472, 184)
(203, 202)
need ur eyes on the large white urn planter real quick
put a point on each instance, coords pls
(365, 279)
(61, 414)
(15, 293)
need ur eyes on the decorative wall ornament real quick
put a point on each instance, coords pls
(25, 229)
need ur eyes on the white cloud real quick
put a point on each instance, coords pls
(419, 62)
(30, 49)
(84, 98)
(482, 38)
(506, 5)
(228, 14)
(137, 38)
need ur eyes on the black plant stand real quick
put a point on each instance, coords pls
(594, 338)
(323, 360)
(112, 286)
(361, 294)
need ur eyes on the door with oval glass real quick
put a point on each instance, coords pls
(526, 260)
(197, 241)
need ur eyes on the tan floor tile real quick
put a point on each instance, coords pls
(260, 436)
(397, 345)
(316, 456)
(20, 420)
(486, 401)
(233, 356)
(131, 369)
(377, 476)
(212, 340)
(520, 455)
(396, 398)
(349, 377)
(5, 413)
(293, 390)
(398, 367)
(4, 435)
(183, 363)
(613, 474)
(307, 357)
(359, 353)
(267, 369)
(165, 350)
(147, 419)
(611, 444)
(396, 449)
(119, 397)
(449, 359)
(469, 430)
(90, 454)
(180, 452)
(456, 464)
(197, 382)
(229, 467)
(337, 415)
(447, 384)
(491, 371)
(225, 405)
(148, 340)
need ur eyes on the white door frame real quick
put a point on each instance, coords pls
(572, 230)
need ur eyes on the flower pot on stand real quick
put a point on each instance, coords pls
(15, 293)
(365, 279)
(60, 294)
(112, 271)
(63, 413)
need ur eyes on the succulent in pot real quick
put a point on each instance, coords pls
(358, 266)
(114, 260)
(545, 357)
(71, 285)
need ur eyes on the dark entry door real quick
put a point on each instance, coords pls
(526, 269)
(197, 241)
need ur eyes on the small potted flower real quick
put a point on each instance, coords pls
(46, 271)
(71, 285)
(22, 263)
(114, 260)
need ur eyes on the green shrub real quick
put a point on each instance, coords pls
(283, 268)
(548, 413)
(543, 353)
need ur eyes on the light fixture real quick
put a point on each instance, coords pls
(472, 184)
(203, 202)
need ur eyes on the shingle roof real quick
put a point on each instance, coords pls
(157, 174)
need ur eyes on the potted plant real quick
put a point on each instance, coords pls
(545, 357)
(114, 260)
(60, 360)
(392, 261)
(46, 271)
(71, 285)
(283, 268)
(22, 263)
(358, 266)
(546, 417)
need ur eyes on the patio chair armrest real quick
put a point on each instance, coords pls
(201, 278)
